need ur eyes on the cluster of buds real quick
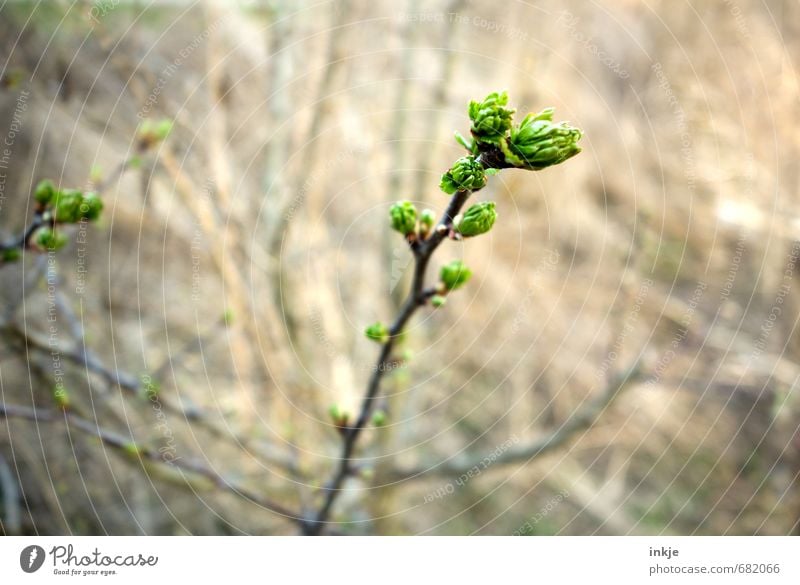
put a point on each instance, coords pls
(538, 142)
(66, 205)
(466, 174)
(496, 143)
(491, 120)
(61, 206)
(477, 220)
(152, 132)
(404, 218)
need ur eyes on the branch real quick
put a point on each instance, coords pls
(417, 297)
(581, 420)
(131, 449)
(133, 387)
(41, 218)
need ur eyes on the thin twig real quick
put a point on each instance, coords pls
(131, 448)
(417, 297)
(133, 387)
(581, 420)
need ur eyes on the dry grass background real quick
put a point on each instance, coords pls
(668, 243)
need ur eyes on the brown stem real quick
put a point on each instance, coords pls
(417, 297)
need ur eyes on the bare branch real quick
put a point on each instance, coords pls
(581, 420)
(132, 450)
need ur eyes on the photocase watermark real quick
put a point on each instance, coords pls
(548, 263)
(101, 8)
(196, 244)
(15, 127)
(687, 149)
(678, 338)
(450, 487)
(738, 18)
(316, 175)
(630, 321)
(31, 558)
(736, 262)
(570, 22)
(776, 309)
(66, 562)
(552, 504)
(167, 451)
(401, 260)
(487, 24)
(172, 68)
(333, 354)
(81, 240)
(51, 280)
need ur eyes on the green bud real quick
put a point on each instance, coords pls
(466, 174)
(427, 218)
(90, 207)
(50, 239)
(45, 191)
(403, 215)
(227, 317)
(96, 174)
(379, 418)
(454, 274)
(338, 416)
(67, 206)
(61, 397)
(438, 301)
(377, 332)
(491, 120)
(538, 143)
(151, 133)
(11, 255)
(477, 220)
(133, 450)
(163, 128)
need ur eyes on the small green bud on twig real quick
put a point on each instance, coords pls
(477, 220)
(45, 191)
(403, 217)
(438, 301)
(466, 174)
(339, 417)
(11, 255)
(377, 332)
(133, 450)
(426, 221)
(379, 418)
(538, 143)
(491, 120)
(50, 239)
(61, 397)
(454, 275)
(151, 133)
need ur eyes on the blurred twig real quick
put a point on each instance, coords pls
(131, 449)
(582, 419)
(132, 385)
(12, 522)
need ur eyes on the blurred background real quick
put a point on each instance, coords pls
(625, 360)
